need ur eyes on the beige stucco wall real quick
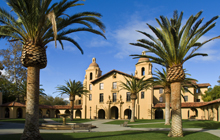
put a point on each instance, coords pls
(142, 107)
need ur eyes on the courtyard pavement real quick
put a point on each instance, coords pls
(17, 128)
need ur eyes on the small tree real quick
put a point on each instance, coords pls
(134, 85)
(72, 89)
(161, 79)
(11, 61)
(211, 94)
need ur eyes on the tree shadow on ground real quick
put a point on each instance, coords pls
(122, 135)
(127, 135)
(205, 124)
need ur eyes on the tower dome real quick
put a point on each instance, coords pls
(143, 58)
(93, 64)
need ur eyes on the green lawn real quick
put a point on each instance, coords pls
(136, 121)
(18, 120)
(186, 124)
(121, 135)
(60, 120)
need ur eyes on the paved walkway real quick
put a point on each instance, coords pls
(17, 128)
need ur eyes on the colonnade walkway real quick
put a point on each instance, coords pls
(17, 128)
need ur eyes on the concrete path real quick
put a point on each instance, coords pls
(17, 128)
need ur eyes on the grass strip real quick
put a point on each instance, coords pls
(186, 124)
(122, 135)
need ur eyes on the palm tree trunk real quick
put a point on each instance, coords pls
(167, 105)
(132, 110)
(31, 129)
(72, 106)
(72, 99)
(176, 126)
(167, 109)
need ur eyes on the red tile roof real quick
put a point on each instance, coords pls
(66, 107)
(158, 86)
(46, 106)
(17, 104)
(203, 85)
(214, 101)
(9, 104)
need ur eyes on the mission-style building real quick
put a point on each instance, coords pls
(106, 99)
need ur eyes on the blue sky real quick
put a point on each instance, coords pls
(122, 18)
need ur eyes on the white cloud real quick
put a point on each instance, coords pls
(69, 48)
(67, 99)
(128, 34)
(210, 48)
(97, 42)
(4, 72)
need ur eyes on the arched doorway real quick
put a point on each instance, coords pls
(188, 114)
(56, 113)
(127, 114)
(194, 113)
(217, 114)
(101, 114)
(40, 113)
(78, 114)
(67, 111)
(48, 113)
(159, 114)
(114, 112)
(19, 113)
(7, 112)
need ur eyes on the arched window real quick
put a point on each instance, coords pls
(7, 112)
(142, 71)
(19, 113)
(48, 113)
(90, 76)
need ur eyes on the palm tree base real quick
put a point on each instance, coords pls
(171, 134)
(132, 120)
(29, 136)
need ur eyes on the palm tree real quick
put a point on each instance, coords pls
(35, 23)
(72, 89)
(174, 45)
(161, 79)
(134, 85)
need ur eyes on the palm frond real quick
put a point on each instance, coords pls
(175, 43)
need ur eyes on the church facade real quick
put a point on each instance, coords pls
(106, 99)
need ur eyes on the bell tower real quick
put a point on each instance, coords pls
(143, 67)
(93, 72)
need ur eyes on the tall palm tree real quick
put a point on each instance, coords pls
(174, 45)
(72, 89)
(134, 85)
(161, 79)
(35, 23)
